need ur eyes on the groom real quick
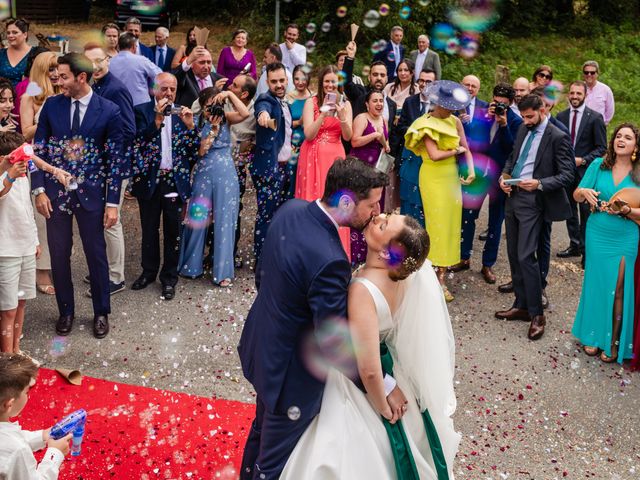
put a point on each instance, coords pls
(302, 279)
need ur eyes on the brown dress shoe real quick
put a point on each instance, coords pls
(488, 275)
(513, 314)
(459, 267)
(536, 329)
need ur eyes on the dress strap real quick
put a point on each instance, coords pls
(382, 306)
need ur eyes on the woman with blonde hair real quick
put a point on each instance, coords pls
(43, 76)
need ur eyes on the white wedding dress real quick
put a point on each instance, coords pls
(347, 440)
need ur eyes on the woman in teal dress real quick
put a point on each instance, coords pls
(296, 98)
(604, 320)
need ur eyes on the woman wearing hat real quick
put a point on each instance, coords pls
(438, 138)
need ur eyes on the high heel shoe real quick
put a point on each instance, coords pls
(614, 354)
(448, 296)
(591, 351)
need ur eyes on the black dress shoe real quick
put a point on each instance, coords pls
(168, 292)
(506, 288)
(569, 252)
(64, 324)
(100, 326)
(484, 235)
(141, 282)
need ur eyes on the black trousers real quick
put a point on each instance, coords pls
(170, 209)
(524, 219)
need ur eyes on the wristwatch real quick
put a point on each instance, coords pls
(37, 191)
(539, 187)
(583, 162)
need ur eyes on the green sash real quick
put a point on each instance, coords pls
(405, 464)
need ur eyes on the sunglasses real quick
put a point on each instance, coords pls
(589, 72)
(544, 75)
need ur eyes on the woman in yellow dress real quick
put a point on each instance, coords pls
(438, 138)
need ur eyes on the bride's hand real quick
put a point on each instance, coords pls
(397, 403)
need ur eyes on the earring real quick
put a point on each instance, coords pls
(633, 155)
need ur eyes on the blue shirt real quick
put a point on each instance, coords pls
(136, 72)
(527, 170)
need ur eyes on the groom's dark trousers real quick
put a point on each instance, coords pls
(302, 279)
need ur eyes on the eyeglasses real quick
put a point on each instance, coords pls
(590, 72)
(544, 75)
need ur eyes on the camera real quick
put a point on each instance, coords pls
(500, 108)
(215, 110)
(172, 110)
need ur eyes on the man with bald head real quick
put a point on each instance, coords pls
(477, 109)
(195, 74)
(521, 87)
(167, 149)
(425, 59)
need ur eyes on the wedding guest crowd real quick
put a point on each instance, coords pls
(185, 127)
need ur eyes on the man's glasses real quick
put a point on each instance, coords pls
(544, 75)
(589, 72)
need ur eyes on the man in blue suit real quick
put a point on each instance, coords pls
(393, 52)
(270, 169)
(408, 163)
(134, 27)
(161, 52)
(302, 283)
(166, 149)
(108, 86)
(503, 128)
(82, 133)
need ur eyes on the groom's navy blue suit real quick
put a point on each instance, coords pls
(302, 281)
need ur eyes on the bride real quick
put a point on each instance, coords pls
(400, 326)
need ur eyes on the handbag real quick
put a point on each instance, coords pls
(385, 162)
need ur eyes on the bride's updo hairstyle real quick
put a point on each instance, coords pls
(408, 250)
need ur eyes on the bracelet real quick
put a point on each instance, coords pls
(625, 215)
(11, 180)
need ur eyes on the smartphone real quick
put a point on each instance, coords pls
(330, 98)
(172, 110)
(246, 69)
(512, 181)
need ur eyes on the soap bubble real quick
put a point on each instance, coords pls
(307, 67)
(329, 346)
(384, 9)
(342, 78)
(365, 71)
(487, 172)
(198, 213)
(310, 46)
(424, 3)
(311, 27)
(474, 16)
(391, 56)
(325, 27)
(371, 19)
(405, 12)
(293, 413)
(553, 92)
(453, 45)
(341, 11)
(441, 33)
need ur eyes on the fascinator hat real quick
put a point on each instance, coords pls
(447, 94)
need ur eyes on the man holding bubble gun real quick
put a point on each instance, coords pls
(17, 375)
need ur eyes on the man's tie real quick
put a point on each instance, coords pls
(524, 153)
(161, 58)
(573, 127)
(75, 124)
(202, 83)
(421, 108)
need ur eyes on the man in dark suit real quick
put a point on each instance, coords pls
(357, 93)
(108, 86)
(272, 152)
(302, 288)
(161, 52)
(161, 181)
(407, 162)
(543, 162)
(82, 133)
(589, 138)
(134, 27)
(425, 59)
(393, 53)
(194, 75)
(503, 129)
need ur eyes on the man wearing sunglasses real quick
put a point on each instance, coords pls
(599, 95)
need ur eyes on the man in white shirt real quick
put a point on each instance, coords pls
(272, 54)
(293, 54)
(162, 53)
(425, 59)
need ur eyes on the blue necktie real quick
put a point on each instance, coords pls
(524, 153)
(75, 124)
(161, 58)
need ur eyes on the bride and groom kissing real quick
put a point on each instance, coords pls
(392, 418)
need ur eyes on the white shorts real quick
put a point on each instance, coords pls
(17, 280)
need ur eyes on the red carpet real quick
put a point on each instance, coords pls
(140, 433)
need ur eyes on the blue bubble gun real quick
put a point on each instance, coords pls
(71, 423)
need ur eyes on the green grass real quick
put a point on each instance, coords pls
(617, 54)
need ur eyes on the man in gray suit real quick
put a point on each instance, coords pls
(542, 167)
(425, 59)
(589, 138)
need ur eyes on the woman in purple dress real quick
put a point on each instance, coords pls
(370, 136)
(236, 58)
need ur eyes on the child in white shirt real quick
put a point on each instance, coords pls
(17, 375)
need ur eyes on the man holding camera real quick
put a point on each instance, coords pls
(502, 134)
(166, 147)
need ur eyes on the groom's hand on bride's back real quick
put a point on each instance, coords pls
(397, 404)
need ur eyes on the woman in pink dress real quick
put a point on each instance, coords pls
(326, 118)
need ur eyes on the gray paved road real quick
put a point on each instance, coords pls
(526, 409)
